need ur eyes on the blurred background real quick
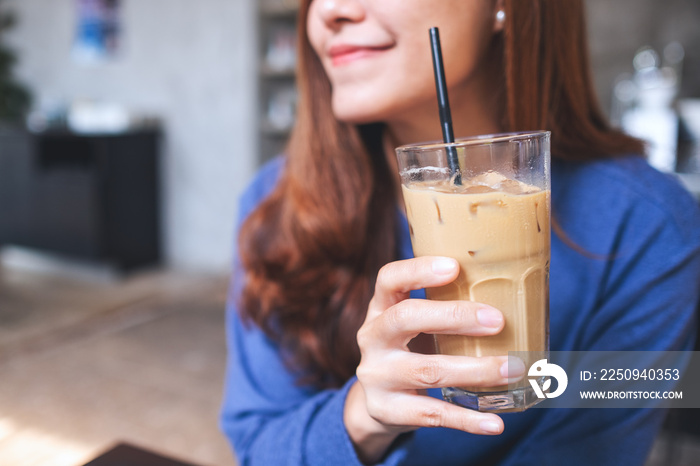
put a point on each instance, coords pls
(128, 130)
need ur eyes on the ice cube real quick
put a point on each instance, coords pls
(491, 179)
(498, 182)
(511, 187)
(477, 189)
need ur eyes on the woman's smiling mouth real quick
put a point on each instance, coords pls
(342, 54)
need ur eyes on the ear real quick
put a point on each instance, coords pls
(499, 16)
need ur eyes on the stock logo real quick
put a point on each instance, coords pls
(542, 368)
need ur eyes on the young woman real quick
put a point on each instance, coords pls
(320, 371)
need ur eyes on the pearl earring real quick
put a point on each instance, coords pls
(500, 16)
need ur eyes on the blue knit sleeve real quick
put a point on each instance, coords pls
(266, 416)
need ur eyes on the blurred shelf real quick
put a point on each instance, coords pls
(268, 72)
(274, 131)
(280, 11)
(277, 22)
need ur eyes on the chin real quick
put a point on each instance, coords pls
(359, 111)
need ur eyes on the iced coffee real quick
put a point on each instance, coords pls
(496, 224)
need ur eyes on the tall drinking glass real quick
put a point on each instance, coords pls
(495, 221)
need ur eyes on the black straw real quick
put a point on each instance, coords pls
(444, 105)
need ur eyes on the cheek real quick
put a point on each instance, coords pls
(315, 30)
(464, 43)
(465, 33)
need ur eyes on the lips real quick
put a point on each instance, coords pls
(345, 53)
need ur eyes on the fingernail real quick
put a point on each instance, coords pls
(490, 427)
(444, 266)
(513, 368)
(489, 317)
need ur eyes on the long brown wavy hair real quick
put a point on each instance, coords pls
(312, 249)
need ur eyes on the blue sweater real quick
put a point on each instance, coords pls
(644, 299)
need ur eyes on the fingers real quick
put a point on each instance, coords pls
(422, 411)
(396, 279)
(416, 371)
(410, 371)
(400, 323)
(392, 376)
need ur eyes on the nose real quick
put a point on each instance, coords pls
(336, 12)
